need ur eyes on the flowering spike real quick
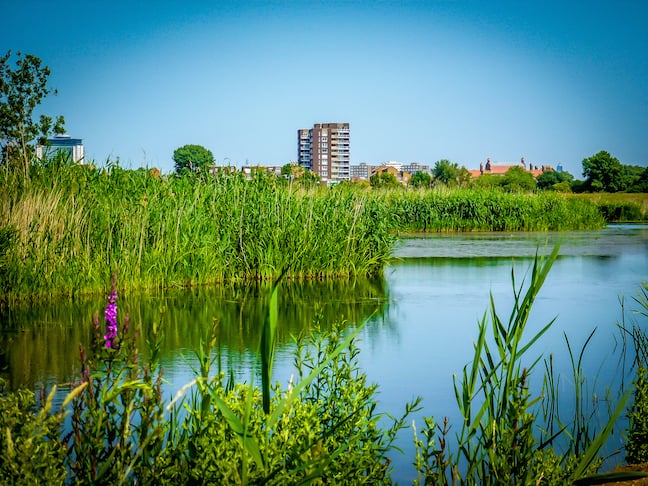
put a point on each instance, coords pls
(111, 318)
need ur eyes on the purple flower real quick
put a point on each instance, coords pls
(111, 319)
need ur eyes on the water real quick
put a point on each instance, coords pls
(422, 316)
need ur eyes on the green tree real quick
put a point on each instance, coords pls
(486, 181)
(603, 173)
(463, 177)
(446, 172)
(300, 174)
(21, 90)
(635, 178)
(518, 179)
(384, 179)
(549, 178)
(193, 158)
(421, 179)
(309, 178)
(293, 170)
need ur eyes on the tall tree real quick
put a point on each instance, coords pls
(635, 178)
(446, 172)
(548, 180)
(420, 179)
(603, 173)
(193, 158)
(518, 179)
(384, 179)
(21, 90)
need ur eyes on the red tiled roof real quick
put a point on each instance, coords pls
(498, 169)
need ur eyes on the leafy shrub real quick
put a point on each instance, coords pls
(30, 449)
(324, 426)
(328, 429)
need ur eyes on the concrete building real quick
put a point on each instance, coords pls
(63, 145)
(361, 171)
(415, 167)
(324, 149)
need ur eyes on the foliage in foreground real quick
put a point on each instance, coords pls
(637, 442)
(30, 450)
(507, 436)
(322, 428)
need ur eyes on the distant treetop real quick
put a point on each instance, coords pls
(193, 158)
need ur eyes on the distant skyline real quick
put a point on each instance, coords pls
(553, 82)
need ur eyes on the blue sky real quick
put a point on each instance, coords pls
(550, 81)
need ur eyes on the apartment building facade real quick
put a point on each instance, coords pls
(63, 145)
(325, 150)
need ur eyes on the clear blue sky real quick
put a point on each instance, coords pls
(553, 81)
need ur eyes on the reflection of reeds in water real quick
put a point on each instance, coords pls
(40, 342)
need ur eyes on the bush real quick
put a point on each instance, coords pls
(30, 448)
(330, 431)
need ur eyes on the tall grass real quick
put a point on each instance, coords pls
(619, 206)
(64, 232)
(490, 210)
(503, 438)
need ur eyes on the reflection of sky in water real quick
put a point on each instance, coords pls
(439, 291)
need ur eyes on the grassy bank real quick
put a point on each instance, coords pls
(490, 210)
(618, 206)
(64, 232)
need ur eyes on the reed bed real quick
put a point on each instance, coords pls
(490, 210)
(619, 207)
(69, 227)
(63, 233)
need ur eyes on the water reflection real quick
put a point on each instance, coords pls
(612, 241)
(40, 343)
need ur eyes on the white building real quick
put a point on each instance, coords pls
(63, 145)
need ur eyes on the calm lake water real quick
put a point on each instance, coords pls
(422, 317)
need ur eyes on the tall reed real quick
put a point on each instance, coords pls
(64, 232)
(490, 210)
(498, 441)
